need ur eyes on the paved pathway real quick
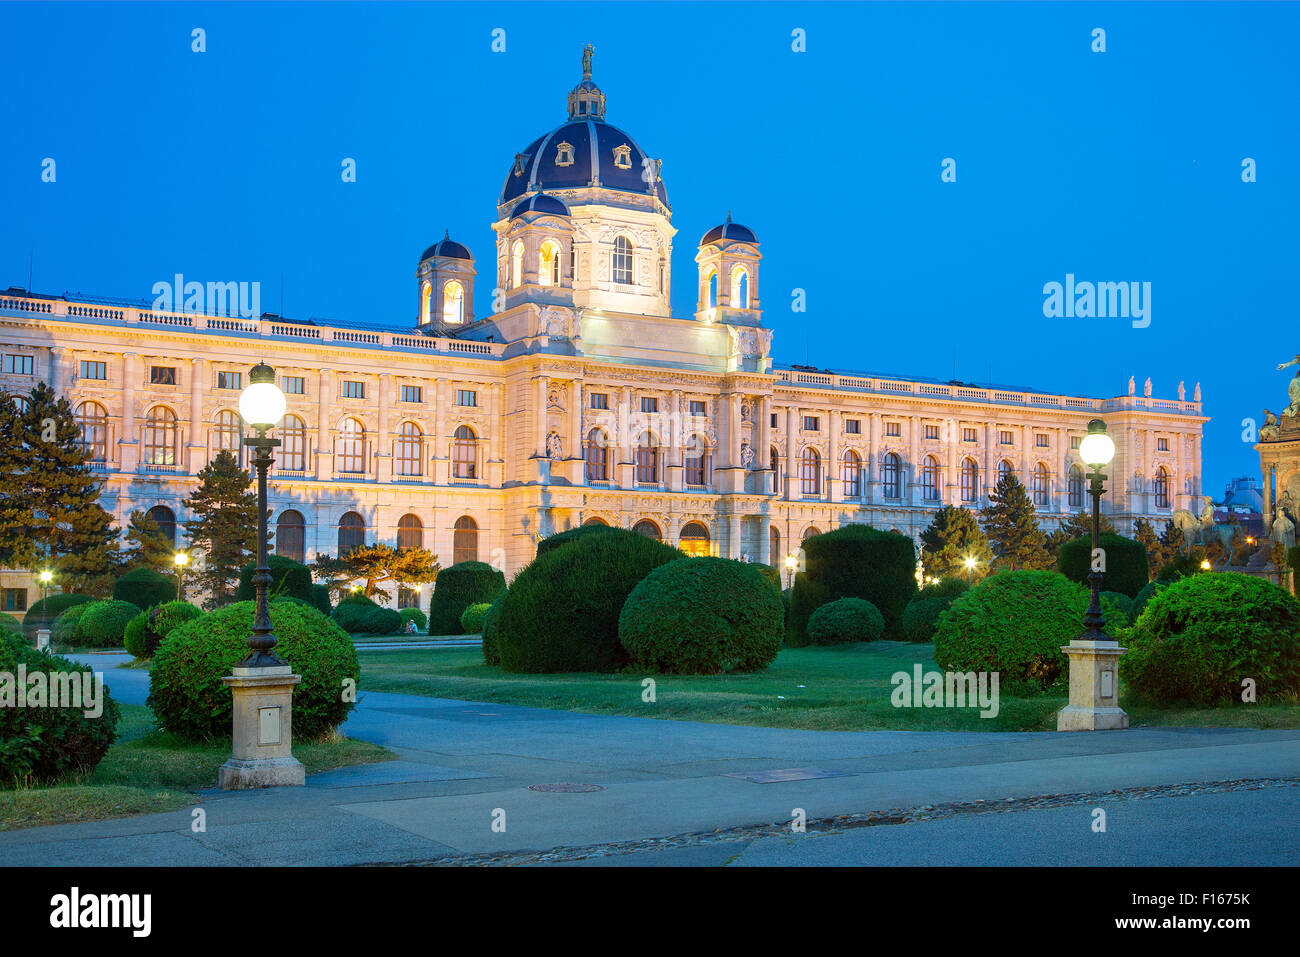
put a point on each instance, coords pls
(464, 766)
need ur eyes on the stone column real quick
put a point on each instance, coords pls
(676, 422)
(622, 466)
(872, 477)
(577, 473)
(441, 445)
(764, 539)
(763, 453)
(1268, 499)
(990, 478)
(1062, 475)
(1179, 491)
(733, 536)
(129, 442)
(911, 470)
(324, 434)
(494, 470)
(198, 443)
(791, 448)
(834, 491)
(539, 416)
(384, 435)
(733, 429)
(56, 375)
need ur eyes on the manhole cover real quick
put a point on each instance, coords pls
(566, 787)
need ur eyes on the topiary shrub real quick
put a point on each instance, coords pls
(1202, 636)
(1293, 559)
(415, 615)
(133, 636)
(289, 579)
(946, 587)
(185, 688)
(772, 575)
(1127, 569)
(491, 654)
(471, 619)
(701, 616)
(1013, 623)
(103, 623)
(1149, 591)
(64, 629)
(320, 597)
(358, 615)
(144, 588)
(853, 561)
(561, 612)
(292, 600)
(922, 617)
(458, 587)
(1184, 566)
(10, 622)
(1113, 602)
(145, 632)
(571, 535)
(48, 609)
(39, 745)
(845, 621)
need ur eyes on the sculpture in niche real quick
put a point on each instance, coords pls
(554, 446)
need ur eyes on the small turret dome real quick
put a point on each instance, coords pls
(540, 203)
(446, 248)
(733, 232)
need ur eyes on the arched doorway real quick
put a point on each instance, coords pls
(694, 540)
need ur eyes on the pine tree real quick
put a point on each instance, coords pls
(1079, 525)
(1012, 527)
(17, 503)
(953, 536)
(224, 526)
(1173, 541)
(146, 545)
(379, 564)
(1144, 533)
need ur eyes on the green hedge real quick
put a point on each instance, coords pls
(561, 612)
(571, 535)
(185, 688)
(12, 623)
(56, 604)
(64, 629)
(1115, 604)
(40, 745)
(845, 621)
(853, 561)
(1183, 566)
(1202, 636)
(491, 654)
(415, 615)
(103, 623)
(1149, 591)
(146, 630)
(921, 619)
(289, 579)
(458, 587)
(946, 587)
(320, 598)
(1293, 558)
(701, 616)
(358, 615)
(1127, 568)
(471, 619)
(145, 588)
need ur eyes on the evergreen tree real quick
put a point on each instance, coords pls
(1079, 525)
(1144, 533)
(379, 564)
(1012, 527)
(1172, 541)
(953, 536)
(146, 545)
(17, 503)
(224, 526)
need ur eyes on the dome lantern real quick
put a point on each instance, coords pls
(587, 100)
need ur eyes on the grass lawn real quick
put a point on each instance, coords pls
(148, 770)
(843, 688)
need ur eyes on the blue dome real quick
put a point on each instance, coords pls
(541, 203)
(733, 232)
(594, 158)
(446, 248)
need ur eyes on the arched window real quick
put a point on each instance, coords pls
(160, 436)
(596, 521)
(352, 532)
(548, 273)
(453, 302)
(931, 479)
(740, 287)
(1162, 487)
(648, 528)
(891, 475)
(410, 446)
(1041, 484)
(291, 535)
(426, 302)
(809, 532)
(292, 454)
(464, 454)
(852, 477)
(410, 532)
(464, 540)
(165, 519)
(229, 433)
(597, 453)
(712, 280)
(774, 462)
(517, 266)
(1005, 468)
(694, 540)
(621, 261)
(1074, 487)
(647, 460)
(697, 463)
(352, 447)
(773, 546)
(93, 440)
(810, 472)
(969, 480)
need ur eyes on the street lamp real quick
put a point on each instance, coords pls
(46, 577)
(970, 569)
(1097, 449)
(262, 405)
(180, 560)
(1205, 564)
(790, 563)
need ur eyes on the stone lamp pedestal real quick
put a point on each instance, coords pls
(263, 711)
(1094, 687)
(42, 639)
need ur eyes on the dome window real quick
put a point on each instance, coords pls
(517, 266)
(564, 154)
(453, 303)
(621, 261)
(549, 274)
(623, 156)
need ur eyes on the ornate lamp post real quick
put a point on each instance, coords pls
(180, 560)
(790, 563)
(1094, 657)
(970, 570)
(262, 684)
(43, 634)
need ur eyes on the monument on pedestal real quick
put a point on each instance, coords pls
(1279, 461)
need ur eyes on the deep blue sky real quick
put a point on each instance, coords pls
(1117, 166)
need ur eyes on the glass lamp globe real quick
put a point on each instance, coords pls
(262, 404)
(970, 563)
(46, 577)
(181, 559)
(1097, 448)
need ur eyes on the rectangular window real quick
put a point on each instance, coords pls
(466, 397)
(600, 400)
(1004, 437)
(894, 428)
(228, 380)
(166, 375)
(774, 419)
(412, 393)
(354, 389)
(291, 384)
(853, 426)
(15, 599)
(1075, 440)
(968, 435)
(20, 365)
(1040, 440)
(649, 403)
(932, 432)
(811, 423)
(93, 370)
(697, 409)
(1162, 445)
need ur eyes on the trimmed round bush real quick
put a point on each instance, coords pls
(320, 597)
(1117, 601)
(458, 587)
(10, 622)
(289, 579)
(571, 535)
(358, 615)
(133, 636)
(64, 629)
(946, 587)
(488, 627)
(1149, 591)
(922, 617)
(853, 561)
(185, 688)
(1127, 569)
(1013, 623)
(103, 623)
(146, 630)
(41, 745)
(772, 575)
(56, 605)
(471, 619)
(701, 616)
(845, 621)
(144, 587)
(1202, 636)
(292, 600)
(413, 614)
(561, 612)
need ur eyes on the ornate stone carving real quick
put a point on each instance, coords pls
(1293, 388)
(1270, 431)
(554, 446)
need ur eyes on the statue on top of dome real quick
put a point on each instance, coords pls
(587, 51)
